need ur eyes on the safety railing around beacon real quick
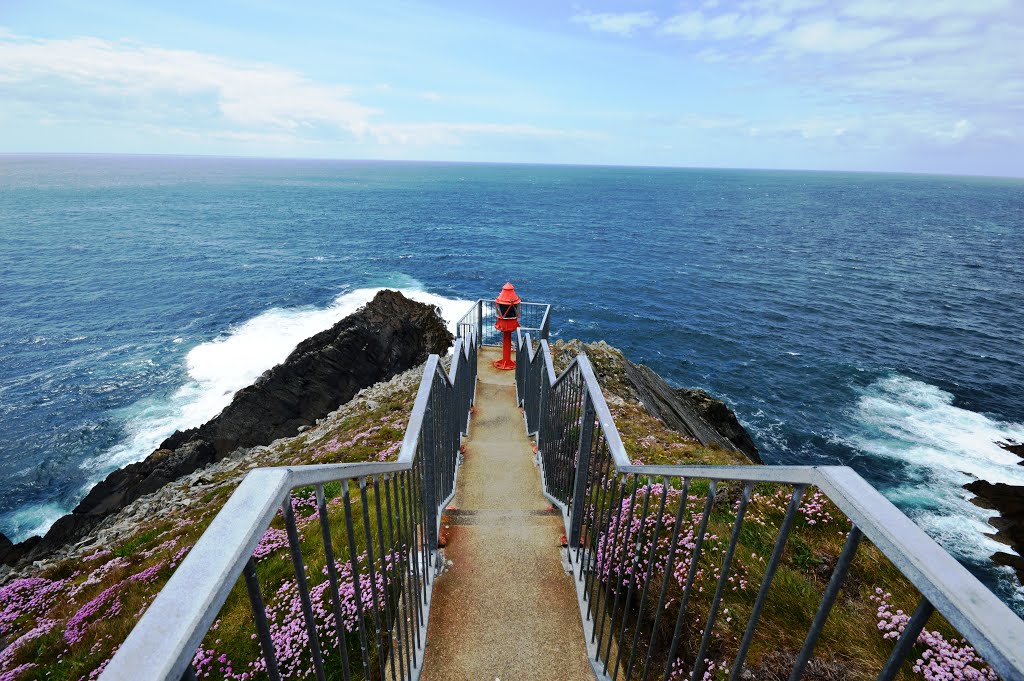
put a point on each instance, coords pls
(367, 617)
(651, 574)
(534, 318)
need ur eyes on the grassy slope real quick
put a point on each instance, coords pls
(64, 620)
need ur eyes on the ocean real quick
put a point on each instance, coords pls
(870, 320)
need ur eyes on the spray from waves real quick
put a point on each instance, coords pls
(943, 446)
(215, 370)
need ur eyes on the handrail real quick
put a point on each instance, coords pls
(162, 644)
(481, 316)
(571, 466)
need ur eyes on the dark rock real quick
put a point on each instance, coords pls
(6, 548)
(391, 334)
(1008, 500)
(1014, 448)
(11, 553)
(691, 411)
(388, 336)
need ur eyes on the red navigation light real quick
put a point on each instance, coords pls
(507, 308)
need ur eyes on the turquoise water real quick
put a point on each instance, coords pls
(868, 320)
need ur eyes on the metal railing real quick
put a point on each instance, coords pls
(533, 318)
(614, 533)
(399, 504)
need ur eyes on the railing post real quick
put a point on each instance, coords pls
(582, 467)
(428, 440)
(480, 320)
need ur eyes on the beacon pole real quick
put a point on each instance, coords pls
(507, 307)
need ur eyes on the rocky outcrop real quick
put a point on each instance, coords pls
(386, 337)
(1008, 500)
(691, 411)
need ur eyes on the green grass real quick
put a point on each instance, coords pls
(132, 545)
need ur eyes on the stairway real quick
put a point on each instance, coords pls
(504, 607)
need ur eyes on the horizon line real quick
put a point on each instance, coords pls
(241, 157)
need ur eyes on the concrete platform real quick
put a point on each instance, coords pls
(505, 609)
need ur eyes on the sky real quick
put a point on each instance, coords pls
(933, 86)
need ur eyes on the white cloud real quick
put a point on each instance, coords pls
(432, 134)
(830, 36)
(720, 27)
(144, 77)
(920, 10)
(187, 94)
(958, 61)
(624, 23)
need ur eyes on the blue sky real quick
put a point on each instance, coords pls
(890, 85)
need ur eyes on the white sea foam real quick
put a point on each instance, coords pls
(215, 370)
(33, 520)
(946, 446)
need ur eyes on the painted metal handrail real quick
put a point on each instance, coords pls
(587, 472)
(401, 540)
(533, 317)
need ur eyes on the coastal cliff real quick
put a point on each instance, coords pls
(386, 337)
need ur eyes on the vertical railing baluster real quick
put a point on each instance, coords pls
(372, 573)
(480, 320)
(570, 444)
(669, 564)
(647, 577)
(633, 570)
(622, 570)
(690, 575)
(599, 508)
(259, 613)
(300, 580)
(395, 636)
(385, 555)
(412, 552)
(618, 492)
(426, 548)
(766, 582)
(398, 545)
(429, 463)
(582, 470)
(827, 601)
(723, 578)
(332, 578)
(357, 588)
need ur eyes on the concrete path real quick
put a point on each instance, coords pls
(505, 609)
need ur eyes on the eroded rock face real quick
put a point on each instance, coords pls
(388, 336)
(1009, 524)
(691, 411)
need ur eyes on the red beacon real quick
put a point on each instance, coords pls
(507, 312)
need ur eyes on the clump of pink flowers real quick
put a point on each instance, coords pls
(288, 624)
(628, 537)
(941, 659)
(815, 508)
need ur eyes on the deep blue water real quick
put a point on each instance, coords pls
(869, 320)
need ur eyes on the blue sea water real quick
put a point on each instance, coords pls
(872, 320)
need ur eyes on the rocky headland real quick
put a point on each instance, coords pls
(1008, 500)
(391, 334)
